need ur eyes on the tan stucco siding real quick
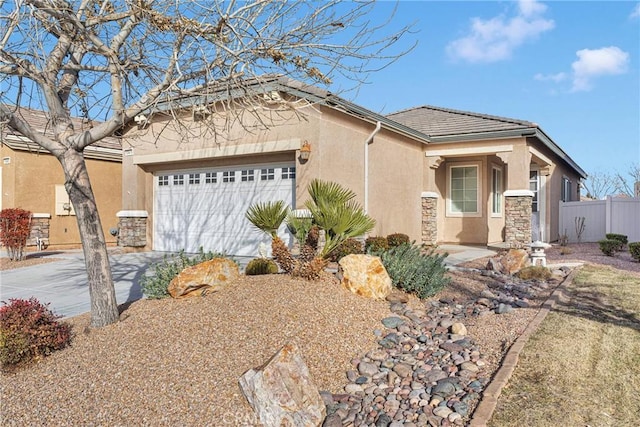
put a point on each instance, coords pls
(29, 183)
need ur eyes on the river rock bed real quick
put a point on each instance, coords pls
(427, 370)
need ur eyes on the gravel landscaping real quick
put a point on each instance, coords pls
(172, 362)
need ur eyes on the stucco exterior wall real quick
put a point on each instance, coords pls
(29, 181)
(337, 154)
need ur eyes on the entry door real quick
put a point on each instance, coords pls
(206, 207)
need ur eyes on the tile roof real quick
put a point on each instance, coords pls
(437, 121)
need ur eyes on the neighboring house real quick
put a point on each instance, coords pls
(32, 179)
(440, 176)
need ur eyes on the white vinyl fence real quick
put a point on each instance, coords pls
(613, 215)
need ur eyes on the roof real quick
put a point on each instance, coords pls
(109, 148)
(437, 121)
(448, 125)
(425, 124)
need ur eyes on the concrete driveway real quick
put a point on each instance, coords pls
(63, 283)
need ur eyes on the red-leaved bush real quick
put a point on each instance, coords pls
(29, 331)
(15, 226)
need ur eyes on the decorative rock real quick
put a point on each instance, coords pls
(514, 261)
(281, 392)
(392, 322)
(397, 296)
(504, 309)
(353, 388)
(368, 369)
(200, 279)
(403, 370)
(494, 265)
(332, 420)
(458, 329)
(365, 275)
(444, 388)
(442, 411)
(470, 366)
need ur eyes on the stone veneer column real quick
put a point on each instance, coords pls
(429, 218)
(132, 228)
(39, 229)
(517, 209)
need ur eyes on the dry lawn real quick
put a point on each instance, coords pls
(582, 367)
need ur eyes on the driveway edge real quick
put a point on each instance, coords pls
(487, 405)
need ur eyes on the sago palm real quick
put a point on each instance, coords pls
(267, 217)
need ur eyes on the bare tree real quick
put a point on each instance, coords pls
(628, 184)
(599, 185)
(109, 61)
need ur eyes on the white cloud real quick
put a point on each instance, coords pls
(496, 39)
(551, 77)
(636, 12)
(593, 63)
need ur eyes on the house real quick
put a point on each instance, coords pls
(438, 175)
(32, 179)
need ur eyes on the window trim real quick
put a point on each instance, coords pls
(478, 213)
(498, 213)
(565, 190)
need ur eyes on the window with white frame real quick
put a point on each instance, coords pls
(566, 189)
(496, 191)
(163, 180)
(194, 178)
(229, 176)
(178, 179)
(534, 186)
(210, 177)
(246, 175)
(464, 190)
(267, 174)
(288, 173)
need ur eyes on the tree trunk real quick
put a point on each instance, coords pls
(104, 307)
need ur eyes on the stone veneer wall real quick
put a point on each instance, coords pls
(429, 219)
(40, 224)
(132, 228)
(517, 221)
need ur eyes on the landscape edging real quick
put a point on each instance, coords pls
(489, 401)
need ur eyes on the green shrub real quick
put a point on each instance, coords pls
(536, 272)
(609, 247)
(29, 331)
(348, 247)
(634, 250)
(414, 271)
(156, 286)
(260, 266)
(375, 244)
(620, 238)
(397, 239)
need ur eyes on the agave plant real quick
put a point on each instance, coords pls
(334, 210)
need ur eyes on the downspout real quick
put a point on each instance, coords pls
(368, 141)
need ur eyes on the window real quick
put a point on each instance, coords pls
(246, 175)
(163, 180)
(464, 192)
(194, 178)
(534, 186)
(178, 179)
(210, 178)
(496, 191)
(288, 173)
(229, 176)
(267, 174)
(566, 190)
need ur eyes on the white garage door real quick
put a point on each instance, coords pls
(206, 207)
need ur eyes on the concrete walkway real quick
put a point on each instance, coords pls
(63, 283)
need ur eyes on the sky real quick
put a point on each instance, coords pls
(572, 67)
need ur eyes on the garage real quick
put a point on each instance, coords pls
(196, 208)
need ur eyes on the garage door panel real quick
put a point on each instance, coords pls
(198, 208)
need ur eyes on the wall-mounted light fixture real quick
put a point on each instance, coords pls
(305, 151)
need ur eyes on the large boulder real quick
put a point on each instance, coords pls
(365, 275)
(282, 393)
(208, 276)
(514, 261)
